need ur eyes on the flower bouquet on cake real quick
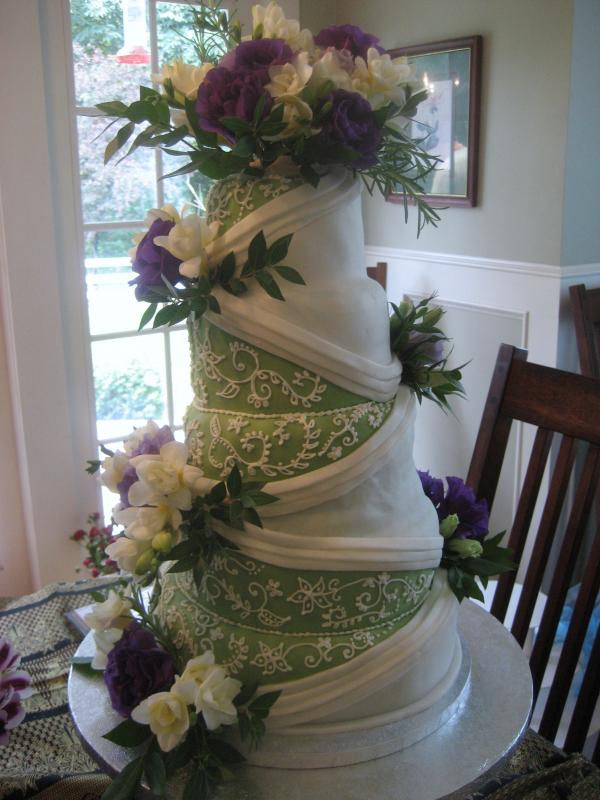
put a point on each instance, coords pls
(290, 554)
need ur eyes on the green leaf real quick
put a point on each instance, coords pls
(83, 665)
(119, 140)
(272, 128)
(128, 734)
(198, 785)
(257, 252)
(236, 125)
(156, 774)
(279, 249)
(261, 706)
(251, 515)
(235, 287)
(166, 315)
(218, 493)
(225, 752)
(262, 498)
(182, 550)
(147, 315)
(245, 694)
(259, 109)
(125, 784)
(269, 284)
(114, 108)
(310, 175)
(213, 304)
(227, 268)
(290, 274)
(184, 565)
(181, 312)
(146, 93)
(98, 597)
(244, 147)
(234, 481)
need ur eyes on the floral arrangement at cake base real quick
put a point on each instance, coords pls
(15, 686)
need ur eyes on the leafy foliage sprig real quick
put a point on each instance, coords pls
(463, 571)
(419, 344)
(196, 297)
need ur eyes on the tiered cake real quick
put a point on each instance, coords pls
(336, 601)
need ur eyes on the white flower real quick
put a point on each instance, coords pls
(186, 78)
(104, 640)
(114, 612)
(126, 552)
(136, 437)
(195, 673)
(165, 479)
(276, 26)
(214, 699)
(113, 470)
(380, 79)
(330, 67)
(144, 523)
(167, 715)
(289, 78)
(167, 213)
(187, 241)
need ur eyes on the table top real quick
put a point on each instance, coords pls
(488, 723)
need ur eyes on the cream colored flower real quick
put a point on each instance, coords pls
(167, 715)
(274, 25)
(126, 552)
(137, 436)
(214, 698)
(297, 114)
(144, 523)
(195, 673)
(186, 78)
(113, 470)
(381, 79)
(114, 612)
(289, 78)
(165, 479)
(187, 240)
(330, 67)
(104, 640)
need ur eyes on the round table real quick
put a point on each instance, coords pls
(488, 723)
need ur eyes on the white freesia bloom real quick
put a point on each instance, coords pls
(167, 213)
(214, 698)
(114, 612)
(289, 78)
(330, 67)
(276, 26)
(136, 437)
(187, 240)
(165, 479)
(380, 79)
(186, 78)
(104, 640)
(126, 552)
(167, 715)
(296, 113)
(113, 469)
(144, 523)
(195, 673)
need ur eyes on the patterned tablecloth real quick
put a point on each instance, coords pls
(45, 759)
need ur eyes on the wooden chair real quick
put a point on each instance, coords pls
(585, 304)
(565, 405)
(379, 273)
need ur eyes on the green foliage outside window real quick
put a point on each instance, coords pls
(129, 392)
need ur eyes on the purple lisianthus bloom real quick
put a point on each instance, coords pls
(12, 713)
(152, 262)
(351, 122)
(130, 477)
(224, 93)
(257, 56)
(431, 348)
(433, 487)
(137, 667)
(348, 37)
(10, 674)
(473, 514)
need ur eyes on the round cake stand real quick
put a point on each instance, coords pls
(455, 759)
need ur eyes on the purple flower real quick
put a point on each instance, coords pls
(351, 123)
(12, 713)
(137, 667)
(224, 93)
(348, 37)
(150, 444)
(152, 262)
(427, 345)
(473, 514)
(433, 487)
(130, 476)
(257, 56)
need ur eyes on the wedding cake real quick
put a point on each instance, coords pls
(291, 546)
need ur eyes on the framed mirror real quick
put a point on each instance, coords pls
(448, 120)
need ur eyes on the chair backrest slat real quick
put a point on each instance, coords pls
(585, 704)
(523, 516)
(573, 644)
(557, 492)
(585, 304)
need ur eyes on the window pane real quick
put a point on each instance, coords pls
(129, 379)
(180, 361)
(173, 25)
(182, 189)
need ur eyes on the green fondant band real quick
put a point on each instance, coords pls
(267, 622)
(266, 414)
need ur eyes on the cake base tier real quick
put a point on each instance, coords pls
(487, 725)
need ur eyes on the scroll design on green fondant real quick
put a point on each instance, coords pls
(264, 621)
(244, 411)
(234, 197)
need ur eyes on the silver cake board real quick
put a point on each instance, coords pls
(488, 716)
